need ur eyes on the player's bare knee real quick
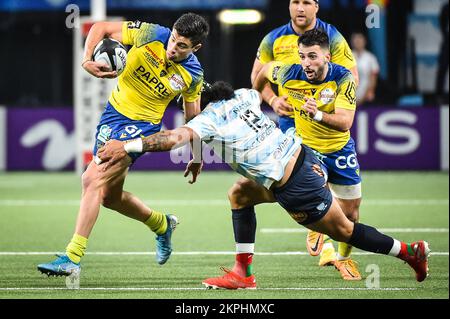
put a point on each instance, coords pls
(109, 201)
(87, 180)
(344, 233)
(353, 215)
(236, 196)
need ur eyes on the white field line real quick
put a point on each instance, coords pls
(195, 288)
(383, 230)
(182, 253)
(218, 202)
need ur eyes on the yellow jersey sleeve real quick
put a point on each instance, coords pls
(340, 52)
(278, 72)
(138, 33)
(346, 93)
(150, 81)
(265, 50)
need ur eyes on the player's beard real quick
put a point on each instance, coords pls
(318, 74)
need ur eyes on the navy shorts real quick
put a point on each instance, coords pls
(285, 123)
(305, 195)
(116, 126)
(342, 167)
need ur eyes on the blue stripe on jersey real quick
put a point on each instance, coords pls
(336, 73)
(333, 34)
(161, 34)
(192, 65)
(287, 29)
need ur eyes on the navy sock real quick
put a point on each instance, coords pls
(369, 239)
(244, 225)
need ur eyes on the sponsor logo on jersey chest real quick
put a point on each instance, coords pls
(327, 96)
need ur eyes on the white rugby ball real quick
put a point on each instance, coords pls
(112, 53)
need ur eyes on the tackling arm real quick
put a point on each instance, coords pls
(114, 151)
(167, 140)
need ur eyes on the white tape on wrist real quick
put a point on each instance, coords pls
(134, 146)
(318, 117)
(97, 160)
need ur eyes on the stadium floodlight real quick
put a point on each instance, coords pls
(240, 16)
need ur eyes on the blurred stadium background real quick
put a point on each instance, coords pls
(48, 107)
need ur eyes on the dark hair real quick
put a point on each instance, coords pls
(193, 27)
(315, 37)
(218, 91)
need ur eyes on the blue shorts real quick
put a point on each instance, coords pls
(342, 167)
(305, 195)
(285, 123)
(116, 126)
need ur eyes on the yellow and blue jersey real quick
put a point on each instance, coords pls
(338, 90)
(150, 81)
(282, 45)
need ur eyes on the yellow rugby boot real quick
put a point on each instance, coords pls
(348, 269)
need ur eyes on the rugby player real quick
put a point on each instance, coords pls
(323, 95)
(281, 45)
(160, 65)
(287, 172)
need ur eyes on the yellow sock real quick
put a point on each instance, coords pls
(327, 243)
(157, 222)
(344, 250)
(75, 249)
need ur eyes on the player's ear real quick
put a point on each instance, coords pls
(197, 47)
(328, 56)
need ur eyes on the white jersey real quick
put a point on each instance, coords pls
(245, 138)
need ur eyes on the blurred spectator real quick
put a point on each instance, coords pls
(368, 69)
(443, 57)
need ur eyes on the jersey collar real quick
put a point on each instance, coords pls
(291, 28)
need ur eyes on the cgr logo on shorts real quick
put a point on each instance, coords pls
(343, 162)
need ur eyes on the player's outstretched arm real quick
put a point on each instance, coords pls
(167, 140)
(114, 151)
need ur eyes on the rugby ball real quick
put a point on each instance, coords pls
(112, 53)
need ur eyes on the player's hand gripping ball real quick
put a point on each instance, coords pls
(112, 53)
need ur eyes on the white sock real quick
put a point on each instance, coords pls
(395, 250)
(245, 248)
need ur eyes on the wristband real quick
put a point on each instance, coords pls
(318, 117)
(97, 160)
(134, 146)
(271, 100)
